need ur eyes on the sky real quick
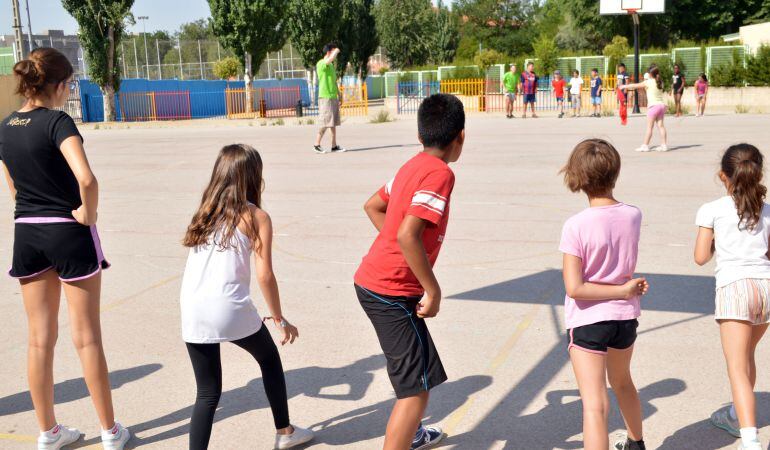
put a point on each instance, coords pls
(165, 15)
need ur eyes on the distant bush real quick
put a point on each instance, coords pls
(227, 68)
(758, 67)
(461, 73)
(488, 57)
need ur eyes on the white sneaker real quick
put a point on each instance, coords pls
(643, 148)
(752, 446)
(116, 438)
(298, 437)
(58, 438)
(662, 148)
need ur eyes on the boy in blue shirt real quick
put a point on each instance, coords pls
(596, 93)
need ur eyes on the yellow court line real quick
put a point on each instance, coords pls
(459, 414)
(119, 302)
(17, 437)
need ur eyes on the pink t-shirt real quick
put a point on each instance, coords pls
(606, 238)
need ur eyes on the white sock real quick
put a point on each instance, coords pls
(733, 414)
(52, 432)
(112, 430)
(749, 435)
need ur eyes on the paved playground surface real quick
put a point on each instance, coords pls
(499, 331)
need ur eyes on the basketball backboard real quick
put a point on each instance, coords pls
(609, 7)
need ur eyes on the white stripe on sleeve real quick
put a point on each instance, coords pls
(429, 200)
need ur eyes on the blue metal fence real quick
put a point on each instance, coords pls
(409, 94)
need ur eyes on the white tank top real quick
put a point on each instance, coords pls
(215, 298)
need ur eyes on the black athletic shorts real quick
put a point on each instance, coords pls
(413, 362)
(598, 337)
(52, 243)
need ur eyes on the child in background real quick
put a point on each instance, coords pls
(596, 93)
(510, 84)
(575, 86)
(701, 93)
(677, 89)
(55, 245)
(622, 77)
(528, 88)
(395, 283)
(736, 228)
(600, 246)
(656, 109)
(558, 84)
(229, 229)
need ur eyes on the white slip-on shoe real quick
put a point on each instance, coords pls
(643, 148)
(116, 438)
(298, 437)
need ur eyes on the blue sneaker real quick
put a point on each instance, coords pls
(722, 419)
(427, 437)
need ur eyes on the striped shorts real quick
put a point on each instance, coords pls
(747, 300)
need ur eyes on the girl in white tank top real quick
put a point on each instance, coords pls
(229, 229)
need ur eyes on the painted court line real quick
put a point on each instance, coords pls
(505, 351)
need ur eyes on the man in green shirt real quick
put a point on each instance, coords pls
(510, 85)
(328, 98)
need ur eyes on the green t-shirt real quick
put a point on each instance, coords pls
(327, 80)
(511, 82)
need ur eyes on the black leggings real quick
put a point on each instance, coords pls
(207, 366)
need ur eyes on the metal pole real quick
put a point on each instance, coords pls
(157, 50)
(200, 58)
(181, 69)
(136, 59)
(635, 17)
(123, 57)
(219, 53)
(29, 25)
(146, 54)
(18, 32)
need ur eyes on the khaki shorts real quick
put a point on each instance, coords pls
(329, 112)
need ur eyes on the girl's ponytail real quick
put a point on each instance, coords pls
(655, 73)
(742, 165)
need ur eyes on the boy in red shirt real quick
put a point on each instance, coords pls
(395, 283)
(558, 84)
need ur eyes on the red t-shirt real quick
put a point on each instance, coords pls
(558, 87)
(421, 188)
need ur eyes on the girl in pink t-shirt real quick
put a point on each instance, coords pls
(600, 246)
(701, 92)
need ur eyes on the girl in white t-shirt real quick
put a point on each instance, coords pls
(736, 228)
(227, 231)
(575, 86)
(656, 108)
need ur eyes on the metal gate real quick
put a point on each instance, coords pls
(409, 94)
(73, 106)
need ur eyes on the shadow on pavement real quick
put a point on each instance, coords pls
(369, 422)
(307, 381)
(705, 436)
(381, 147)
(75, 389)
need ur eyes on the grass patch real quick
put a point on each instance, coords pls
(382, 116)
(299, 122)
(671, 109)
(310, 121)
(742, 109)
(608, 113)
(278, 122)
(96, 127)
(263, 123)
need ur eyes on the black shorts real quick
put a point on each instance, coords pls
(413, 362)
(51, 243)
(600, 336)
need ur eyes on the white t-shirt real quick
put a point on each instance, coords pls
(215, 299)
(575, 84)
(740, 253)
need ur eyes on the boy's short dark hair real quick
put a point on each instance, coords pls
(593, 167)
(595, 70)
(622, 65)
(575, 72)
(440, 119)
(329, 47)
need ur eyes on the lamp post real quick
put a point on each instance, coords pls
(146, 53)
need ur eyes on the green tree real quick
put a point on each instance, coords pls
(486, 58)
(547, 54)
(101, 25)
(758, 67)
(227, 68)
(616, 50)
(250, 29)
(503, 25)
(446, 36)
(406, 30)
(357, 36)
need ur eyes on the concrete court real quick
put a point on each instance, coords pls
(499, 331)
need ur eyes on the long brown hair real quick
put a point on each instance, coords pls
(235, 182)
(44, 67)
(655, 73)
(742, 165)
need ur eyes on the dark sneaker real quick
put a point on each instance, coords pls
(338, 149)
(318, 149)
(427, 437)
(629, 444)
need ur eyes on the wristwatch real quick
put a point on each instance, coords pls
(283, 323)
